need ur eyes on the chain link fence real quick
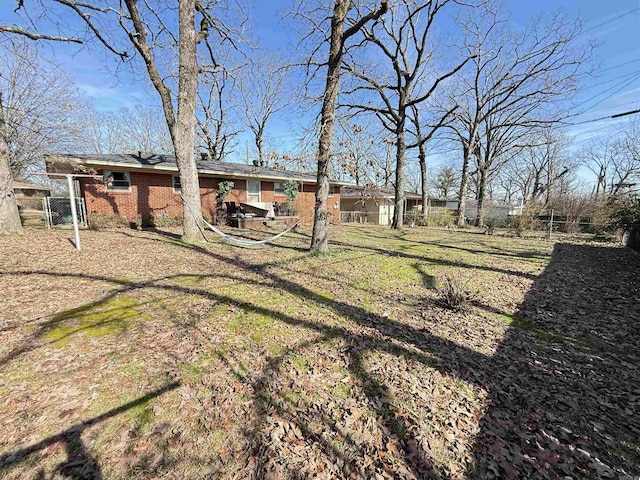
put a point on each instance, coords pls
(57, 212)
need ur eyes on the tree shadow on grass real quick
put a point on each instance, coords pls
(564, 399)
(556, 408)
(79, 463)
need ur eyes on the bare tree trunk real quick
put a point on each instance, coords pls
(401, 149)
(482, 187)
(259, 148)
(185, 128)
(422, 159)
(464, 187)
(9, 216)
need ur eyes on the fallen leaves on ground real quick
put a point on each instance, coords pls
(145, 357)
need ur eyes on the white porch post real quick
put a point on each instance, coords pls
(74, 211)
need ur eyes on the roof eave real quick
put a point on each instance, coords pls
(216, 173)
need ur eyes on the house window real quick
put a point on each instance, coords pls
(333, 190)
(118, 181)
(177, 186)
(278, 188)
(253, 191)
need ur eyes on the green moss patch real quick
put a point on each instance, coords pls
(516, 321)
(107, 317)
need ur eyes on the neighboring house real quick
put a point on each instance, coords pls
(494, 211)
(139, 185)
(370, 204)
(24, 190)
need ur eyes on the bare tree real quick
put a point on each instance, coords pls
(359, 155)
(627, 168)
(614, 163)
(128, 130)
(422, 137)
(215, 135)
(402, 41)
(447, 180)
(513, 84)
(263, 92)
(122, 25)
(537, 169)
(44, 111)
(337, 41)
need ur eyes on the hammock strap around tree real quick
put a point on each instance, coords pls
(243, 242)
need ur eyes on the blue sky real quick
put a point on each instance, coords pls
(613, 88)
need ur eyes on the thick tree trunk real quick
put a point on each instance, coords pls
(422, 159)
(482, 187)
(9, 216)
(327, 125)
(401, 148)
(464, 186)
(259, 148)
(185, 127)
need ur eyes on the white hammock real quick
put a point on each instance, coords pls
(243, 242)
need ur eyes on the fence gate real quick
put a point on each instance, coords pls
(57, 212)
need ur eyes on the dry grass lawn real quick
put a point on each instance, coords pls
(145, 357)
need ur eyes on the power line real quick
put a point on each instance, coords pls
(594, 85)
(611, 20)
(613, 93)
(625, 83)
(620, 65)
(617, 115)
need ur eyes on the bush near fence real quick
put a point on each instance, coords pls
(100, 221)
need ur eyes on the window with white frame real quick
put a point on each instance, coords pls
(118, 181)
(278, 188)
(253, 191)
(177, 186)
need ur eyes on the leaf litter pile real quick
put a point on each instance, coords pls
(145, 357)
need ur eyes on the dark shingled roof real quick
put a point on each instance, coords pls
(168, 163)
(368, 191)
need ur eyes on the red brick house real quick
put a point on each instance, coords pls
(140, 185)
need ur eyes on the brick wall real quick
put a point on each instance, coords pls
(153, 194)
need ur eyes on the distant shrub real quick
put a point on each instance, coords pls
(527, 221)
(100, 221)
(626, 215)
(31, 203)
(162, 219)
(453, 291)
(441, 218)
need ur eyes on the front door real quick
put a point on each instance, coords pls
(253, 191)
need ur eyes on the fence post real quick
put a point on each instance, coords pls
(551, 224)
